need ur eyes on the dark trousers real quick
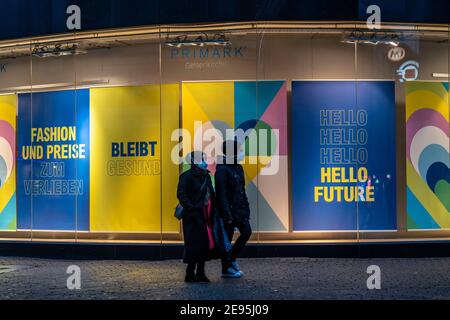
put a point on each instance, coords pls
(245, 231)
(190, 270)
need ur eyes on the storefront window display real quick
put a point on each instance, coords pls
(345, 131)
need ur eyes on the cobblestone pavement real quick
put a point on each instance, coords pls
(280, 278)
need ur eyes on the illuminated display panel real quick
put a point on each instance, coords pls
(112, 99)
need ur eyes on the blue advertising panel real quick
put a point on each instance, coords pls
(343, 155)
(53, 161)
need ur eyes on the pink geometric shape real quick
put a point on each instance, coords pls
(8, 133)
(276, 117)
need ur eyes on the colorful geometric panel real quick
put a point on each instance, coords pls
(258, 110)
(8, 112)
(427, 153)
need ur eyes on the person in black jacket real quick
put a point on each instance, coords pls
(196, 196)
(233, 205)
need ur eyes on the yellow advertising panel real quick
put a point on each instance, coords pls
(128, 159)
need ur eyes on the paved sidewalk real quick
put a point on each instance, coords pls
(280, 278)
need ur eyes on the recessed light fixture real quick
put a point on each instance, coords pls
(440, 75)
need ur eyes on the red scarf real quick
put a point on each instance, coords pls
(209, 227)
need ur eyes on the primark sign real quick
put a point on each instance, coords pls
(203, 46)
(204, 53)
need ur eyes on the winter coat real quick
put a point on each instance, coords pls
(196, 243)
(232, 201)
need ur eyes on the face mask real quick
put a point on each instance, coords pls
(203, 165)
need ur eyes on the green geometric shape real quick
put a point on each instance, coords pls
(442, 190)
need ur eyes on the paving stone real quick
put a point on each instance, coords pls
(274, 278)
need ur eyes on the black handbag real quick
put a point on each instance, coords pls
(179, 210)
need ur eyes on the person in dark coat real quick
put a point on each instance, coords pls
(196, 196)
(233, 205)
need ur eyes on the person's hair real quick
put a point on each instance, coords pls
(195, 155)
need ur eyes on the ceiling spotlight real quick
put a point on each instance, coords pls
(57, 50)
(372, 38)
(199, 41)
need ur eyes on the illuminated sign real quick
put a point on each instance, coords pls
(207, 52)
(396, 54)
(409, 71)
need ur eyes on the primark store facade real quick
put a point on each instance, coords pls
(342, 107)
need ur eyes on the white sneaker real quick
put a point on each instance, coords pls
(231, 274)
